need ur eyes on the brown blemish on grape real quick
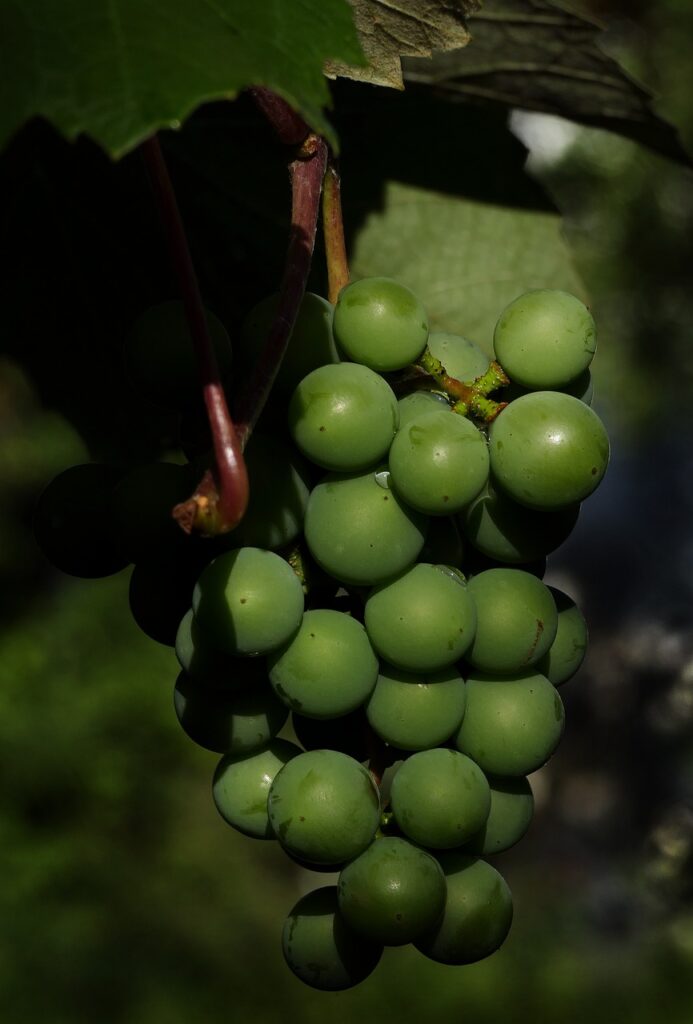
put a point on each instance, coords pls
(244, 600)
(321, 428)
(537, 638)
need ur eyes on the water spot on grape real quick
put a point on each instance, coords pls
(382, 478)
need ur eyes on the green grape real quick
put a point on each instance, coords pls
(516, 620)
(440, 798)
(461, 358)
(279, 490)
(328, 669)
(443, 544)
(392, 893)
(160, 356)
(512, 807)
(548, 450)
(248, 601)
(358, 531)
(478, 912)
(142, 510)
(343, 417)
(212, 667)
(241, 784)
(347, 734)
(233, 723)
(439, 463)
(380, 323)
(418, 404)
(501, 529)
(416, 712)
(324, 807)
(320, 948)
(311, 343)
(567, 652)
(511, 725)
(423, 620)
(545, 339)
(72, 523)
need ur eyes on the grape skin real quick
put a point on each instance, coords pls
(423, 620)
(516, 620)
(324, 807)
(380, 323)
(358, 530)
(328, 669)
(439, 463)
(478, 912)
(418, 404)
(512, 807)
(343, 417)
(548, 450)
(392, 893)
(248, 601)
(512, 724)
(504, 530)
(319, 947)
(440, 798)
(415, 712)
(567, 652)
(234, 723)
(545, 339)
(241, 784)
(462, 359)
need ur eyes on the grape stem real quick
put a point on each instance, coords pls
(333, 231)
(469, 398)
(218, 505)
(306, 172)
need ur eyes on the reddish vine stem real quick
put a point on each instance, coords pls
(306, 173)
(215, 510)
(333, 230)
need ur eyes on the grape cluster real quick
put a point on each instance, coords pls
(385, 591)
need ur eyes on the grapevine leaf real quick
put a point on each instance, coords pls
(117, 70)
(468, 233)
(535, 55)
(391, 29)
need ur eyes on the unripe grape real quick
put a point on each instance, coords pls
(511, 725)
(380, 323)
(248, 601)
(324, 807)
(343, 417)
(567, 652)
(392, 893)
(478, 912)
(462, 359)
(241, 784)
(548, 450)
(545, 339)
(440, 798)
(321, 949)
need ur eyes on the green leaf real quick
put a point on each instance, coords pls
(465, 259)
(535, 55)
(392, 29)
(117, 70)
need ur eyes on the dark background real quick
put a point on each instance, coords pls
(123, 896)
